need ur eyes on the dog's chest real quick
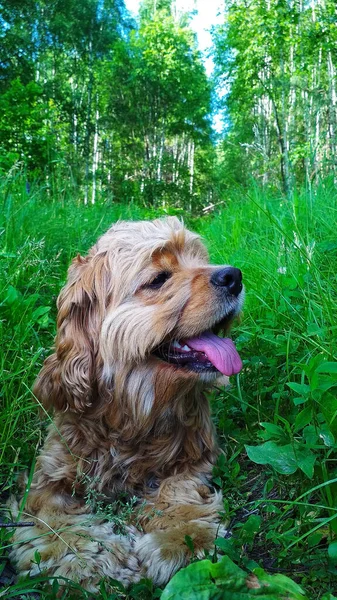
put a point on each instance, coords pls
(164, 451)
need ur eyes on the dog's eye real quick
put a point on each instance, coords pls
(159, 280)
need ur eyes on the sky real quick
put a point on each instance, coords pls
(206, 16)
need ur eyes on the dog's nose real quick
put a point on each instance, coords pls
(229, 278)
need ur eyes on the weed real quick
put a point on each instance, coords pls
(277, 423)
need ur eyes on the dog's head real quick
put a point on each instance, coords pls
(145, 303)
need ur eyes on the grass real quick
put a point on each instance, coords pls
(277, 423)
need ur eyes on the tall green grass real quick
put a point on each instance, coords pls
(278, 421)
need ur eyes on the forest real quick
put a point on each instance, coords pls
(107, 116)
(124, 110)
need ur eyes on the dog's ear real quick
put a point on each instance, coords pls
(68, 377)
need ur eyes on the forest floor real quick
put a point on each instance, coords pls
(277, 423)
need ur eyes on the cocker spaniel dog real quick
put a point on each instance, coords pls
(136, 344)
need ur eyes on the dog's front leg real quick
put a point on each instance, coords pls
(65, 539)
(184, 506)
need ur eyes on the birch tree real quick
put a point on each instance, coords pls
(278, 60)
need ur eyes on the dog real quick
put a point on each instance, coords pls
(136, 345)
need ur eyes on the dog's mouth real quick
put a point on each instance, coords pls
(205, 353)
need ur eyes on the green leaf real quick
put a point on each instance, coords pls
(314, 329)
(327, 437)
(306, 461)
(281, 458)
(310, 436)
(314, 539)
(303, 418)
(193, 582)
(274, 430)
(226, 581)
(300, 388)
(12, 295)
(328, 406)
(250, 528)
(284, 459)
(327, 367)
(300, 400)
(325, 383)
(228, 547)
(332, 551)
(279, 584)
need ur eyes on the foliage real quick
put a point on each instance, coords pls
(96, 109)
(160, 113)
(226, 581)
(123, 110)
(276, 424)
(276, 72)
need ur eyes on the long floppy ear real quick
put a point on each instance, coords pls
(67, 380)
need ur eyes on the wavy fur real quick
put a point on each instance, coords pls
(125, 421)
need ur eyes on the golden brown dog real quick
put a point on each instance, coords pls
(136, 344)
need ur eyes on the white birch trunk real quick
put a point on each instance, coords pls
(333, 103)
(95, 156)
(191, 165)
(87, 134)
(160, 157)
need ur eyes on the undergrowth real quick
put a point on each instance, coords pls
(278, 421)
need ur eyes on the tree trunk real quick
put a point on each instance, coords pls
(191, 165)
(88, 120)
(332, 106)
(95, 155)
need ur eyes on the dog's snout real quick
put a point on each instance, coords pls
(229, 278)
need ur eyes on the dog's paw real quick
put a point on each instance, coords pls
(162, 553)
(157, 557)
(82, 554)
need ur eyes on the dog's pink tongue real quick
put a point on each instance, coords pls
(221, 352)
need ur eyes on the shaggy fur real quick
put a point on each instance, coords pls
(126, 422)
